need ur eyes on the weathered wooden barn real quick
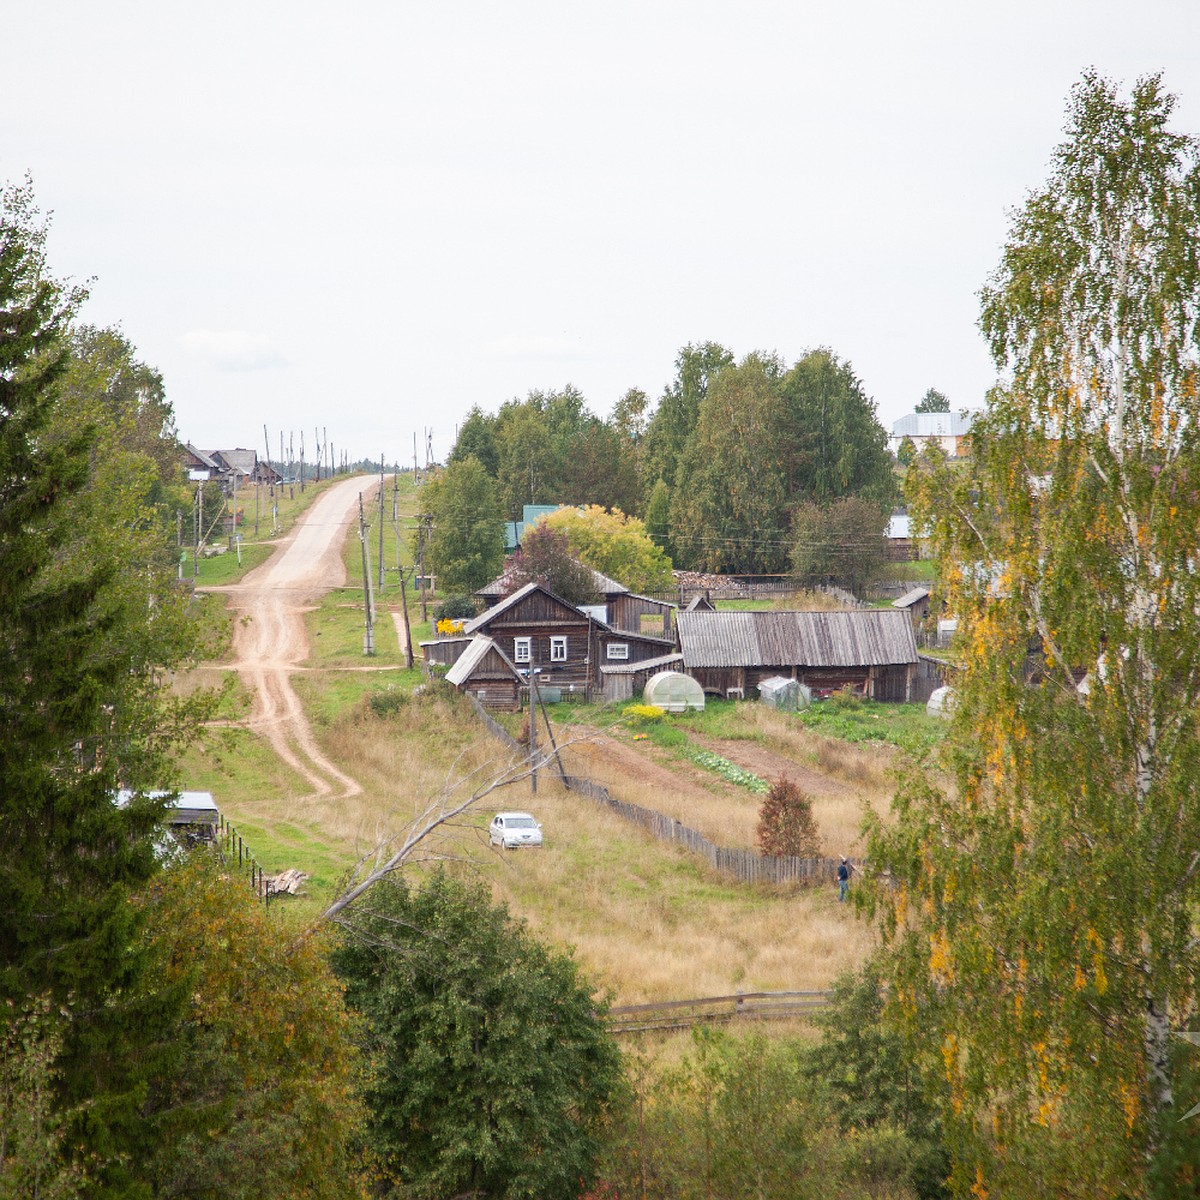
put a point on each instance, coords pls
(729, 653)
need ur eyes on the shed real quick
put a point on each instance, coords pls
(784, 693)
(484, 670)
(623, 680)
(673, 691)
(870, 650)
(915, 601)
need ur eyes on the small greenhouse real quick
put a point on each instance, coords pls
(672, 691)
(783, 693)
(940, 702)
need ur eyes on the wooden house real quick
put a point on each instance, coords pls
(535, 630)
(872, 651)
(198, 464)
(531, 630)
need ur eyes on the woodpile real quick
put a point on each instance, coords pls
(289, 882)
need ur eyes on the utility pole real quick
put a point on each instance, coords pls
(533, 711)
(369, 634)
(233, 522)
(381, 524)
(408, 647)
(422, 530)
(302, 462)
(196, 532)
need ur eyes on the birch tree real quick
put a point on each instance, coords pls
(1042, 903)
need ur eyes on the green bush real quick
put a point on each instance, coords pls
(456, 608)
(387, 702)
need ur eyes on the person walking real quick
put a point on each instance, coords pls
(843, 879)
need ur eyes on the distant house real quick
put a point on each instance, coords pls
(514, 531)
(199, 464)
(232, 468)
(904, 542)
(872, 651)
(951, 431)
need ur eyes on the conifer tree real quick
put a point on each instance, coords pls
(79, 715)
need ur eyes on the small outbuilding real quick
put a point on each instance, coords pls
(673, 691)
(785, 694)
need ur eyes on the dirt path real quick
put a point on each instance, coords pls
(270, 640)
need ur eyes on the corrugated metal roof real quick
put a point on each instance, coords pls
(857, 638)
(647, 664)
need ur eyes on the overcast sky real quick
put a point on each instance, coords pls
(368, 217)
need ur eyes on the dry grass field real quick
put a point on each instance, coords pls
(647, 921)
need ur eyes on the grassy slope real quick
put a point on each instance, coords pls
(647, 920)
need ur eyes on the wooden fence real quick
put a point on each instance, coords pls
(746, 866)
(237, 855)
(683, 1014)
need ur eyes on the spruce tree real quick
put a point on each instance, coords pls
(69, 856)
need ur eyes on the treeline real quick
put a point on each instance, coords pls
(717, 469)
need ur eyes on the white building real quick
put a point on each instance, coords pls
(950, 430)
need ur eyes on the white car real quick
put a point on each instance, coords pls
(512, 829)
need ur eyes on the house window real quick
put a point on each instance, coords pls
(618, 649)
(521, 650)
(558, 649)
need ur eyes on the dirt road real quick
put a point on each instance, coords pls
(270, 641)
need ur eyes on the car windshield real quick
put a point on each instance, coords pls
(521, 823)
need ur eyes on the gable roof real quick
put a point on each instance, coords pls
(475, 653)
(504, 582)
(853, 638)
(510, 602)
(201, 457)
(239, 461)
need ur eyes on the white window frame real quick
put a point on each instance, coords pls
(558, 649)
(522, 649)
(618, 650)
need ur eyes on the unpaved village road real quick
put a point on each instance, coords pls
(270, 641)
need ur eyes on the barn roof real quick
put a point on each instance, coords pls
(853, 638)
